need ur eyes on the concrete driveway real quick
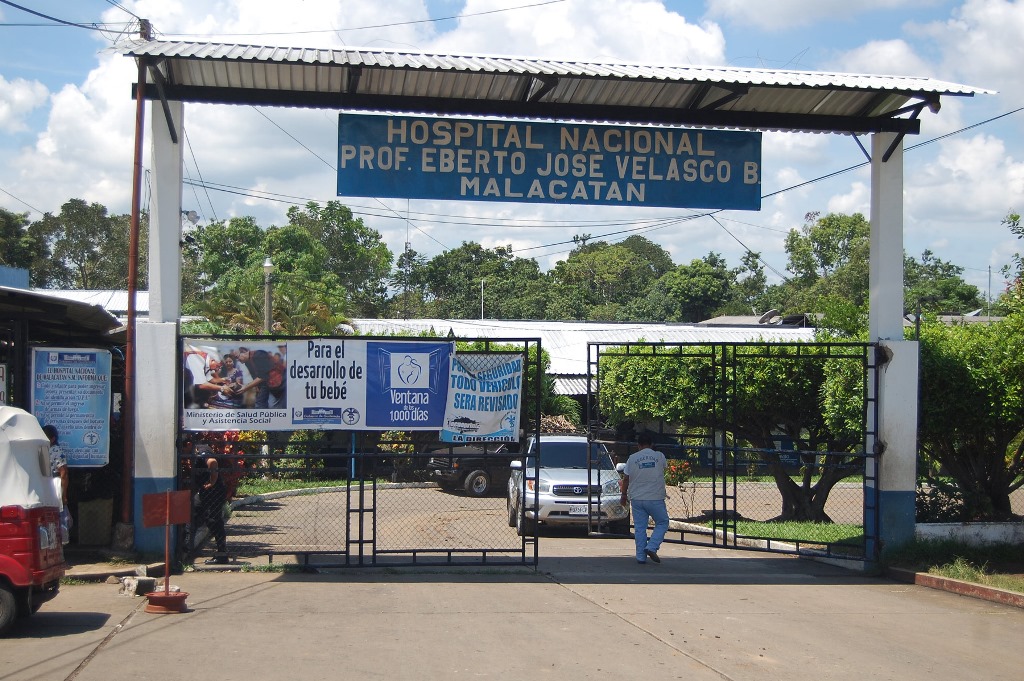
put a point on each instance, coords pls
(588, 612)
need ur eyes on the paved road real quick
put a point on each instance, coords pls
(589, 612)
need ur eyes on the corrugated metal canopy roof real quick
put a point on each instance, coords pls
(401, 81)
(52, 317)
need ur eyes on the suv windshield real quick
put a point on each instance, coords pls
(571, 455)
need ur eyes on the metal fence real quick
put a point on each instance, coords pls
(732, 493)
(343, 499)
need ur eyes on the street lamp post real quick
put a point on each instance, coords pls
(482, 279)
(268, 321)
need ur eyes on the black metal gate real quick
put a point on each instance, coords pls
(331, 498)
(773, 444)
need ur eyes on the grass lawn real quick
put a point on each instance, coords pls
(813, 533)
(997, 565)
(250, 486)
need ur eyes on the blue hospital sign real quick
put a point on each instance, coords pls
(564, 163)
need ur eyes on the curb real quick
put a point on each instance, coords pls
(100, 573)
(957, 586)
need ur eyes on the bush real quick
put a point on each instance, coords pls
(677, 471)
(939, 503)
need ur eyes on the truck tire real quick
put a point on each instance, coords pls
(477, 483)
(8, 608)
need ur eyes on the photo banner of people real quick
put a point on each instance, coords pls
(484, 397)
(314, 383)
(71, 392)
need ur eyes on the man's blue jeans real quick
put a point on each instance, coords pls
(644, 509)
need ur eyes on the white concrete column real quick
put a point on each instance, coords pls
(885, 289)
(156, 422)
(156, 347)
(165, 214)
(896, 428)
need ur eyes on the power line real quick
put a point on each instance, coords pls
(642, 228)
(123, 9)
(199, 172)
(21, 201)
(90, 27)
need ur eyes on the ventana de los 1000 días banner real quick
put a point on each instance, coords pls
(350, 384)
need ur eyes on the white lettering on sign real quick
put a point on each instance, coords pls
(404, 156)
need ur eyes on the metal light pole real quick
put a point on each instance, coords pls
(482, 279)
(268, 321)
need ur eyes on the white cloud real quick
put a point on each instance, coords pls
(788, 14)
(629, 30)
(958, 200)
(981, 45)
(888, 57)
(857, 200)
(18, 98)
(85, 149)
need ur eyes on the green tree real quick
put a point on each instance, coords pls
(512, 287)
(972, 410)
(936, 286)
(828, 256)
(799, 392)
(356, 254)
(1013, 297)
(211, 253)
(88, 247)
(228, 261)
(408, 283)
(749, 290)
(657, 259)
(688, 293)
(21, 247)
(598, 280)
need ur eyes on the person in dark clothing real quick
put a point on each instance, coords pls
(210, 509)
(259, 364)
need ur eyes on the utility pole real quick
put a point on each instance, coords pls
(268, 317)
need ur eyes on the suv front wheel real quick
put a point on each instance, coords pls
(525, 526)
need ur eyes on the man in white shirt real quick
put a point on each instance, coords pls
(644, 487)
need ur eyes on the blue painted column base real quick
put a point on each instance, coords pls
(151, 539)
(897, 513)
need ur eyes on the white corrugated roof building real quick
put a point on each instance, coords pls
(566, 342)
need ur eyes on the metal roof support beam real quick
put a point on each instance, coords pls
(860, 144)
(548, 83)
(542, 110)
(733, 95)
(899, 138)
(160, 82)
(355, 74)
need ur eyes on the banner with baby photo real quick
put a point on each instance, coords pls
(314, 383)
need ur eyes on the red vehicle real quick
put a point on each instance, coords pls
(31, 552)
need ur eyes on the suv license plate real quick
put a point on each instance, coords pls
(578, 509)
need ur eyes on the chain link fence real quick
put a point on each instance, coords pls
(348, 499)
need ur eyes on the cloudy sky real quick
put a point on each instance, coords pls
(67, 118)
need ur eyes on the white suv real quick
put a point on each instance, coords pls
(557, 492)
